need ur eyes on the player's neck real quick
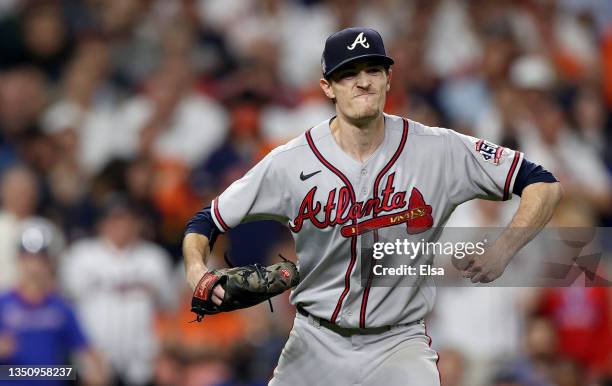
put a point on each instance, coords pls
(361, 140)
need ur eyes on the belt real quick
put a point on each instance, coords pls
(349, 331)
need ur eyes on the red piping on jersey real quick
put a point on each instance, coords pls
(400, 148)
(510, 174)
(218, 215)
(347, 275)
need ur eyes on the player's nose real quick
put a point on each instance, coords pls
(363, 80)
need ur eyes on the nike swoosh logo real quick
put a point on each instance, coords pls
(304, 177)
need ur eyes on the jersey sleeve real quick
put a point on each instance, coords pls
(476, 168)
(258, 195)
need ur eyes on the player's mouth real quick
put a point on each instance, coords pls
(364, 95)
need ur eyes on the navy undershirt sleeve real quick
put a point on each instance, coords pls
(203, 224)
(530, 173)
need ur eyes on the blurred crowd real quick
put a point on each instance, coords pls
(119, 119)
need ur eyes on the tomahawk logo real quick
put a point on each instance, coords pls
(360, 39)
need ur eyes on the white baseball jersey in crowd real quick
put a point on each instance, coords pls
(117, 294)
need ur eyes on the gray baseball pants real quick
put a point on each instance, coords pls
(315, 355)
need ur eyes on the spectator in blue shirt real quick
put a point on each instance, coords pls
(37, 326)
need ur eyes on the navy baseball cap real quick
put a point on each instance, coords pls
(350, 44)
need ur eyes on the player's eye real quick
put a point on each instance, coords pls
(348, 75)
(374, 70)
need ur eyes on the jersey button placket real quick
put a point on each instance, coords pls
(363, 184)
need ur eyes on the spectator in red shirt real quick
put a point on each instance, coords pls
(581, 317)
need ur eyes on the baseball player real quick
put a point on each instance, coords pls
(365, 168)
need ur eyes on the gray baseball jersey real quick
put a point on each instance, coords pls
(324, 196)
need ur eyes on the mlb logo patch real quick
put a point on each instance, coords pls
(489, 151)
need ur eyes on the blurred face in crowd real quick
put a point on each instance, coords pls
(44, 31)
(245, 121)
(139, 179)
(36, 269)
(168, 85)
(360, 90)
(19, 192)
(22, 98)
(541, 339)
(121, 227)
(118, 16)
(550, 121)
(589, 111)
(86, 71)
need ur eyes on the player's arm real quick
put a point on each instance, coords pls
(200, 236)
(196, 250)
(253, 197)
(222, 290)
(540, 194)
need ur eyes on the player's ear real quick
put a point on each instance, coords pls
(326, 87)
(389, 76)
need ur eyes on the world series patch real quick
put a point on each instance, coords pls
(491, 152)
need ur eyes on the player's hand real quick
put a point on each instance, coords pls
(193, 278)
(229, 289)
(486, 267)
(218, 294)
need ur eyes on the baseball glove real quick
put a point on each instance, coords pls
(244, 286)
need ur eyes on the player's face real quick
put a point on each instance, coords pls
(360, 90)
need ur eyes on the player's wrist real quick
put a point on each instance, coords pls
(194, 274)
(502, 253)
(509, 243)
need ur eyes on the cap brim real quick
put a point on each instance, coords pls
(384, 58)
